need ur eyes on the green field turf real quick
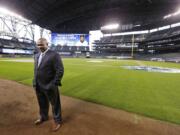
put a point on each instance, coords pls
(151, 94)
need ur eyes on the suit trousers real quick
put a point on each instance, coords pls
(45, 97)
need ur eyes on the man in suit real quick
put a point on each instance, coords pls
(48, 72)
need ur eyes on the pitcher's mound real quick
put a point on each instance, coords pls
(19, 109)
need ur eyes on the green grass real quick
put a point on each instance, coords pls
(151, 94)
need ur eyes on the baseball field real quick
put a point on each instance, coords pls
(106, 82)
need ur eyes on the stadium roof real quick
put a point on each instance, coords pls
(80, 16)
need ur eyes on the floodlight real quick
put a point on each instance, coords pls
(110, 27)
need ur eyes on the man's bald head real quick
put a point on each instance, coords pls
(42, 44)
(42, 41)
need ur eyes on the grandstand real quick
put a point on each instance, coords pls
(18, 35)
(156, 41)
(8, 46)
(164, 41)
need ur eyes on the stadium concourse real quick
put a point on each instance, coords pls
(80, 117)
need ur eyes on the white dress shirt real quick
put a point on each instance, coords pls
(41, 56)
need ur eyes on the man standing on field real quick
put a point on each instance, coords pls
(48, 73)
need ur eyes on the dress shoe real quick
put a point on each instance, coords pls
(56, 126)
(39, 121)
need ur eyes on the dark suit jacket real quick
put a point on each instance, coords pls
(50, 71)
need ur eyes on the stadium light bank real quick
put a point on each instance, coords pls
(8, 12)
(110, 27)
(172, 14)
(127, 33)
